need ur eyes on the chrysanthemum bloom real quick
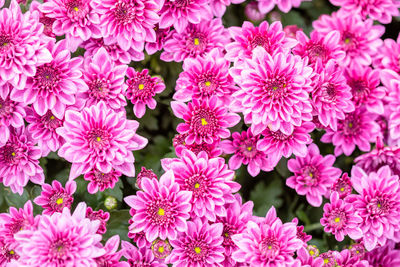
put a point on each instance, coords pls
(360, 39)
(20, 32)
(180, 13)
(141, 88)
(244, 150)
(284, 5)
(16, 220)
(117, 54)
(98, 137)
(112, 256)
(209, 179)
(43, 128)
(385, 256)
(54, 197)
(364, 83)
(344, 258)
(213, 150)
(55, 84)
(7, 251)
(391, 81)
(253, 13)
(12, 114)
(19, 161)
(161, 248)
(307, 259)
(358, 128)
(248, 37)
(77, 19)
(278, 144)
(377, 203)
(99, 215)
(331, 95)
(144, 173)
(46, 21)
(199, 245)
(270, 243)
(205, 120)
(313, 175)
(219, 6)
(274, 92)
(357, 250)
(291, 31)
(303, 236)
(138, 238)
(388, 55)
(320, 47)
(158, 44)
(196, 40)
(140, 257)
(161, 208)
(342, 185)
(340, 219)
(204, 77)
(101, 181)
(382, 10)
(61, 239)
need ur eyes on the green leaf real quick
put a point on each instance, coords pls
(15, 200)
(265, 196)
(116, 191)
(118, 224)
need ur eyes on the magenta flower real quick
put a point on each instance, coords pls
(99, 215)
(204, 77)
(360, 39)
(46, 21)
(55, 84)
(12, 114)
(141, 88)
(43, 129)
(303, 236)
(19, 161)
(140, 257)
(345, 258)
(388, 55)
(377, 203)
(278, 144)
(158, 44)
(244, 150)
(390, 80)
(161, 248)
(195, 40)
(253, 13)
(270, 243)
(385, 256)
(274, 92)
(199, 245)
(248, 37)
(144, 173)
(101, 181)
(284, 5)
(313, 175)
(98, 137)
(331, 96)
(342, 185)
(61, 239)
(54, 197)
(213, 150)
(77, 19)
(112, 257)
(7, 252)
(306, 259)
(180, 13)
(161, 209)
(205, 121)
(340, 219)
(128, 23)
(358, 128)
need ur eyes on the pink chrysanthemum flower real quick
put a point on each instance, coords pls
(278, 144)
(313, 175)
(141, 88)
(12, 114)
(43, 128)
(382, 10)
(77, 19)
(364, 83)
(209, 179)
(320, 47)
(161, 209)
(244, 150)
(16, 220)
(105, 81)
(196, 40)
(140, 257)
(385, 256)
(205, 120)
(360, 39)
(307, 259)
(203, 77)
(345, 258)
(158, 44)
(144, 173)
(98, 215)
(391, 81)
(55, 84)
(182, 12)
(274, 92)
(377, 203)
(248, 37)
(284, 5)
(112, 256)
(253, 13)
(140, 237)
(199, 245)
(340, 219)
(128, 23)
(54, 197)
(161, 248)
(342, 185)
(331, 96)
(61, 239)
(357, 128)
(98, 137)
(213, 150)
(388, 56)
(19, 161)
(291, 31)
(20, 32)
(270, 243)
(101, 181)
(303, 236)
(7, 251)
(46, 21)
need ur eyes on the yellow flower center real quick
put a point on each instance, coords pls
(13, 154)
(326, 261)
(76, 9)
(350, 125)
(226, 235)
(197, 250)
(197, 185)
(47, 77)
(342, 189)
(312, 252)
(203, 122)
(98, 139)
(52, 118)
(379, 205)
(196, 41)
(207, 83)
(275, 87)
(337, 219)
(161, 249)
(161, 212)
(141, 86)
(269, 247)
(249, 148)
(59, 201)
(347, 40)
(12, 252)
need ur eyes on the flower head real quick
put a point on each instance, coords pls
(140, 257)
(54, 197)
(12, 114)
(101, 181)
(144, 173)
(388, 55)
(342, 185)
(98, 215)
(112, 256)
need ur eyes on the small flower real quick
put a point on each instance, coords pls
(12, 114)
(112, 257)
(342, 185)
(110, 202)
(54, 197)
(388, 55)
(385, 256)
(101, 181)
(45, 20)
(161, 248)
(144, 173)
(99, 215)
(253, 12)
(158, 44)
(140, 257)
(303, 236)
